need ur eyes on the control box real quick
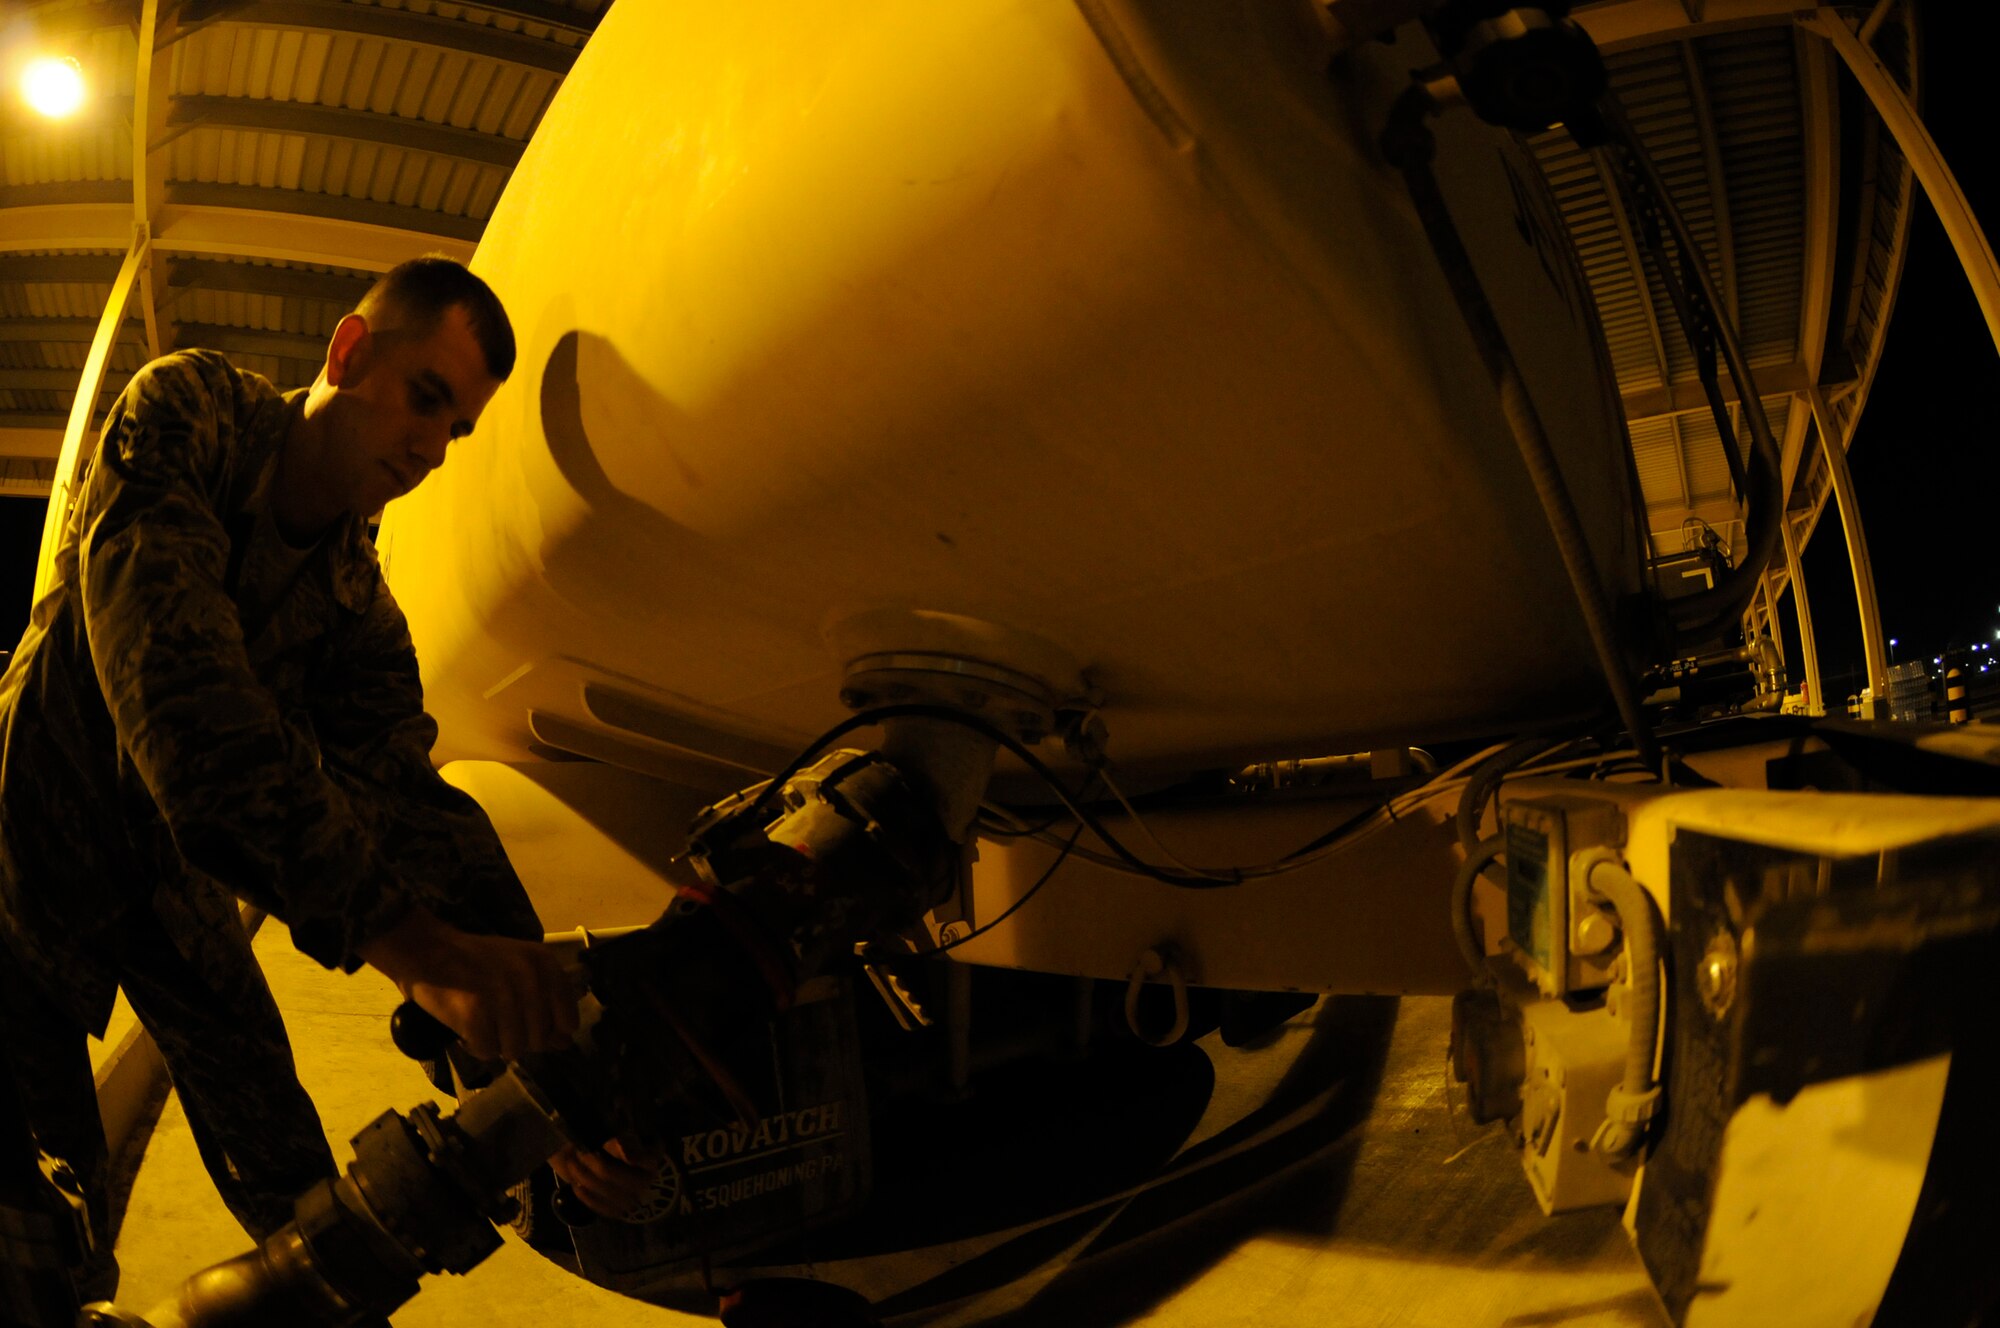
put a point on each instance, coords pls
(1564, 940)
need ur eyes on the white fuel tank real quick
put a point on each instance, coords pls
(1097, 320)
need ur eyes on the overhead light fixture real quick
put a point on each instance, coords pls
(53, 85)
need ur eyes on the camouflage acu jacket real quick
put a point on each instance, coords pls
(162, 748)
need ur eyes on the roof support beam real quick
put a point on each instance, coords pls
(293, 203)
(1770, 615)
(1819, 106)
(84, 404)
(41, 442)
(285, 117)
(224, 231)
(1690, 399)
(150, 87)
(53, 380)
(1617, 25)
(100, 269)
(545, 12)
(186, 226)
(1795, 574)
(476, 39)
(1873, 23)
(256, 279)
(252, 341)
(1874, 647)
(1975, 254)
(96, 225)
(56, 329)
(66, 194)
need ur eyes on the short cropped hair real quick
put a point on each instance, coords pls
(415, 295)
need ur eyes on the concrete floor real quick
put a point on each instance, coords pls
(1412, 1219)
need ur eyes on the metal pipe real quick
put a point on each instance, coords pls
(1802, 606)
(1874, 643)
(1771, 620)
(1873, 23)
(70, 462)
(1968, 238)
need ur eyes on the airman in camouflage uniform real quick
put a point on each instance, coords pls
(203, 711)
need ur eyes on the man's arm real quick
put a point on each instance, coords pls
(366, 701)
(242, 792)
(376, 740)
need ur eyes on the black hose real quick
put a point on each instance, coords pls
(1479, 785)
(1476, 861)
(1409, 146)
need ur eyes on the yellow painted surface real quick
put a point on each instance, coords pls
(1828, 1180)
(1101, 323)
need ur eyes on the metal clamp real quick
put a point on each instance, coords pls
(1150, 964)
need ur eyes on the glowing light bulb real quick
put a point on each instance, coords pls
(53, 85)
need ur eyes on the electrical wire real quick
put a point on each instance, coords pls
(1018, 829)
(1147, 831)
(1370, 821)
(1345, 835)
(1015, 907)
(1485, 779)
(869, 718)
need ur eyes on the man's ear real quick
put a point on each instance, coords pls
(347, 353)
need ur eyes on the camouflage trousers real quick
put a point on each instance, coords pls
(224, 1044)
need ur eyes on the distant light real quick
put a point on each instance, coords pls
(53, 85)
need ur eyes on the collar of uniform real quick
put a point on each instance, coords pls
(353, 565)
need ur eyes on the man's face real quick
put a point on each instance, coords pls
(403, 398)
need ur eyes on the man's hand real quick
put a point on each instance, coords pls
(608, 1183)
(504, 997)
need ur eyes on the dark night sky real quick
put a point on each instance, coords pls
(1926, 460)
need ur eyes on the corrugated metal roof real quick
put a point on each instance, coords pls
(1724, 112)
(370, 115)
